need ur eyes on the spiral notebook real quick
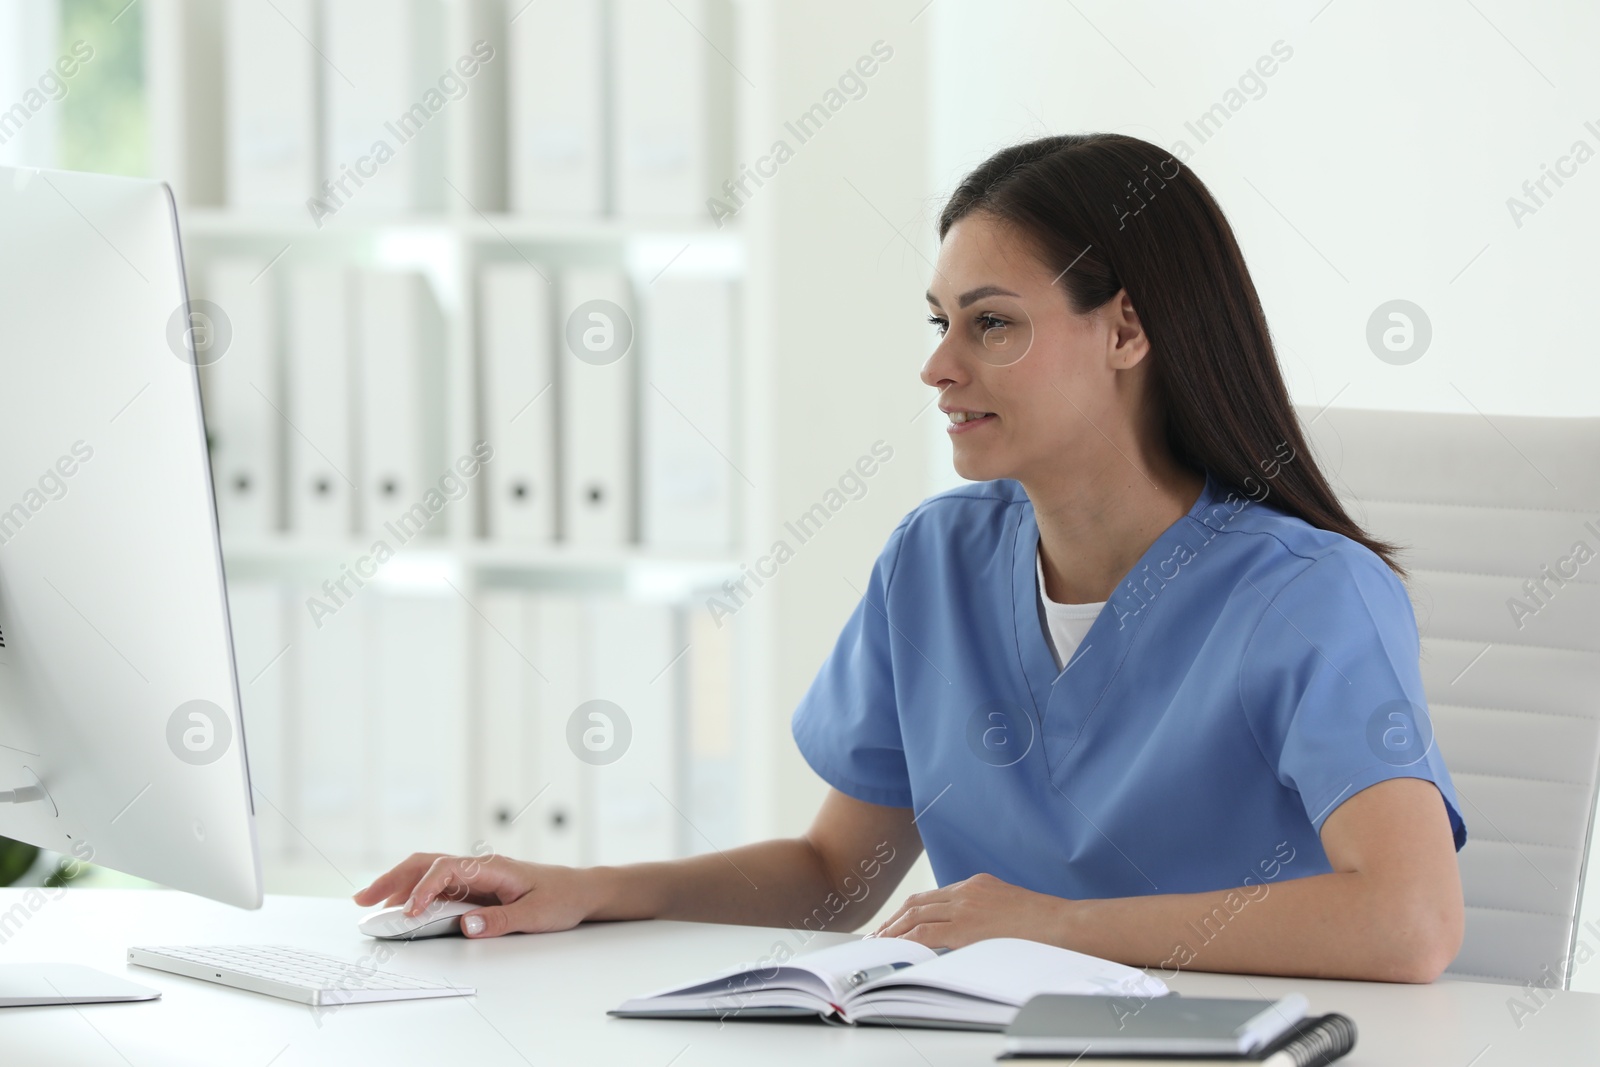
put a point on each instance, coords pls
(1068, 1030)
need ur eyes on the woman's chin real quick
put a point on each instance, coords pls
(977, 469)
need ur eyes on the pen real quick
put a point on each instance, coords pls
(871, 974)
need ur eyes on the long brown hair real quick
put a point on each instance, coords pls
(1112, 212)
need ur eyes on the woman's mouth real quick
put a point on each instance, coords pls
(967, 421)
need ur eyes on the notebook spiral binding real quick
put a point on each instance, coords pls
(1321, 1041)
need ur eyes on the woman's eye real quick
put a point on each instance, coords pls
(989, 322)
(938, 324)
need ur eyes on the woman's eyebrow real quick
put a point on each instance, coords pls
(975, 294)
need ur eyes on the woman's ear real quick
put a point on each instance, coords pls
(1126, 340)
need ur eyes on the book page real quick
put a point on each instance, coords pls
(835, 965)
(1010, 971)
(831, 966)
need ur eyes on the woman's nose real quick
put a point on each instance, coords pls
(941, 368)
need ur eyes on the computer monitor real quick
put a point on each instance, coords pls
(121, 739)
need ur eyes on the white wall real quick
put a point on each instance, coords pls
(1390, 140)
(835, 335)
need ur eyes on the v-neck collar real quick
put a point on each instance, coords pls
(1103, 642)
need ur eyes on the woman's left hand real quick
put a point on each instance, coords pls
(980, 907)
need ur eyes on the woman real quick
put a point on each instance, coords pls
(1144, 690)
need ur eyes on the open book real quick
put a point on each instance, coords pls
(891, 980)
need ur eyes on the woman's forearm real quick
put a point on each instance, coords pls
(833, 878)
(1339, 925)
(770, 883)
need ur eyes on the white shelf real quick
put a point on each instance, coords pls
(649, 574)
(211, 222)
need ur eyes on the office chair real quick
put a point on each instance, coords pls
(1500, 518)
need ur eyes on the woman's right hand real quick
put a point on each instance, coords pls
(518, 897)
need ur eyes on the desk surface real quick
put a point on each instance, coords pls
(542, 999)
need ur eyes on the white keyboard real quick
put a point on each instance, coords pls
(291, 973)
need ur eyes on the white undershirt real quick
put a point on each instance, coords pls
(1064, 623)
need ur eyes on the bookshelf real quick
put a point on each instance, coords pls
(462, 562)
(318, 830)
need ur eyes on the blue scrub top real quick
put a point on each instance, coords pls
(1250, 674)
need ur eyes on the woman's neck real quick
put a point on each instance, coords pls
(1094, 525)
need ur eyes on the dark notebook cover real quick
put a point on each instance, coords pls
(1311, 1042)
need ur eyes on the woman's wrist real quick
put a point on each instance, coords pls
(1072, 919)
(616, 892)
(597, 889)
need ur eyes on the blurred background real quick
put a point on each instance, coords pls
(563, 356)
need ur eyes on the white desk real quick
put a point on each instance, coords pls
(542, 1000)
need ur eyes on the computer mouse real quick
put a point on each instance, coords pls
(441, 918)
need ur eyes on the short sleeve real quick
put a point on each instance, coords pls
(848, 724)
(1331, 684)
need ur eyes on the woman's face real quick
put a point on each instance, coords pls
(1032, 389)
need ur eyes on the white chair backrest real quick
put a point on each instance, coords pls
(1500, 518)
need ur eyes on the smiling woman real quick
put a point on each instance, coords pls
(1150, 583)
(1112, 233)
